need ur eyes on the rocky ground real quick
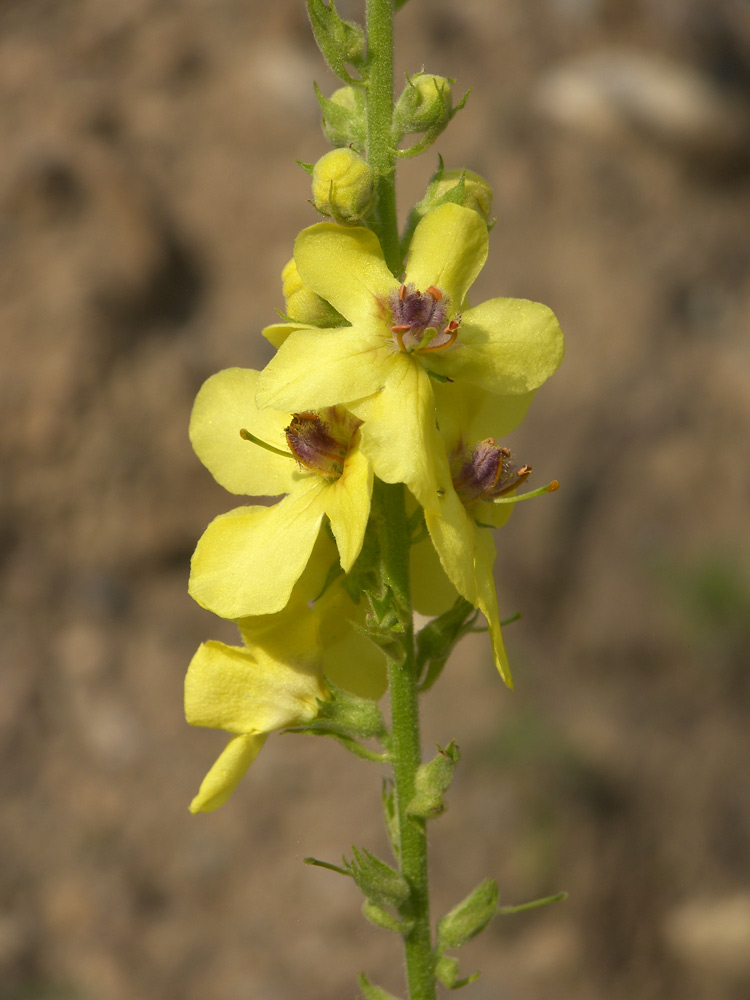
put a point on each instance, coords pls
(149, 197)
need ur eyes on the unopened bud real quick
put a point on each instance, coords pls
(425, 104)
(344, 117)
(302, 304)
(342, 185)
(469, 917)
(477, 193)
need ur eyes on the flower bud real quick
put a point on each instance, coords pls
(468, 917)
(477, 193)
(303, 305)
(342, 185)
(425, 104)
(344, 116)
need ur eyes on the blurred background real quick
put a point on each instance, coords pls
(149, 197)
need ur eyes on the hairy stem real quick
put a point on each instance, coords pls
(380, 152)
(405, 746)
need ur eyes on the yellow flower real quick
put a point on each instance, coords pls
(248, 560)
(481, 472)
(276, 679)
(402, 337)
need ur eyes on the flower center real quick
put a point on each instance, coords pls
(486, 472)
(320, 440)
(419, 319)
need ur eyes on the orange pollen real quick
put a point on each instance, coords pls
(435, 293)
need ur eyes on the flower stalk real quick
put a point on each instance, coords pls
(374, 429)
(381, 154)
(405, 746)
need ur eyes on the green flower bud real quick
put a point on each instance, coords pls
(459, 187)
(477, 193)
(339, 41)
(468, 917)
(303, 305)
(381, 884)
(344, 116)
(432, 780)
(342, 185)
(425, 104)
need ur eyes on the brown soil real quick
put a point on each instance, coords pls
(149, 197)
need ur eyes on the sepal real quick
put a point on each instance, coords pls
(468, 917)
(340, 42)
(348, 715)
(432, 781)
(371, 992)
(381, 884)
(349, 719)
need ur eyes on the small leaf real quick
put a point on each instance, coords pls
(371, 992)
(545, 901)
(315, 862)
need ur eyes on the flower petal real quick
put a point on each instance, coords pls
(448, 250)
(357, 665)
(224, 406)
(345, 266)
(231, 688)
(487, 600)
(277, 333)
(317, 368)
(350, 660)
(506, 346)
(227, 772)
(467, 415)
(453, 534)
(399, 434)
(431, 589)
(347, 504)
(248, 560)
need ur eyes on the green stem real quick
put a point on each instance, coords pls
(405, 745)
(380, 151)
(389, 501)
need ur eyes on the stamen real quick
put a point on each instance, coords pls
(247, 436)
(549, 488)
(435, 293)
(452, 331)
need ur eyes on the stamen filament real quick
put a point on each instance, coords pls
(247, 436)
(549, 488)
